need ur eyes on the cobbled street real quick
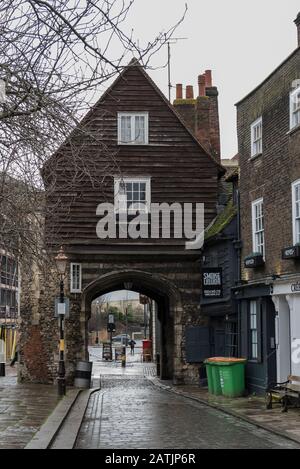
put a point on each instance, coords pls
(131, 413)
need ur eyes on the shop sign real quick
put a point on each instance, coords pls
(212, 283)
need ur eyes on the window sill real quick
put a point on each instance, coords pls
(254, 157)
(293, 130)
(130, 144)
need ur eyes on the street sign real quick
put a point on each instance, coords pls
(62, 308)
(111, 319)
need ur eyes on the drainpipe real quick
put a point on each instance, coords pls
(239, 273)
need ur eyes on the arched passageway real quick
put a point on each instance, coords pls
(158, 288)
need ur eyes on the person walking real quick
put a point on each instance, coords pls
(132, 344)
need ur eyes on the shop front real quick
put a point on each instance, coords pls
(286, 298)
(257, 345)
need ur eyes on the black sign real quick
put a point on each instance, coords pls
(212, 285)
(111, 327)
(251, 262)
(292, 252)
(295, 287)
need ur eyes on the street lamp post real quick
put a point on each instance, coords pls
(97, 322)
(61, 264)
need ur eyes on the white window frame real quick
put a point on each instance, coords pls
(293, 111)
(255, 247)
(132, 115)
(146, 180)
(72, 288)
(254, 125)
(253, 327)
(294, 211)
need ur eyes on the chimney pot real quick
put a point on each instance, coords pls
(297, 23)
(189, 92)
(179, 91)
(201, 84)
(208, 78)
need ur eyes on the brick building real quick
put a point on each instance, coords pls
(157, 158)
(268, 123)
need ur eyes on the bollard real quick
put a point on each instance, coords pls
(83, 375)
(2, 356)
(124, 356)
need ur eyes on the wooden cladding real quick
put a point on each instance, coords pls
(81, 175)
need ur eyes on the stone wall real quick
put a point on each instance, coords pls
(175, 284)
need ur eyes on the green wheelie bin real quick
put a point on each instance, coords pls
(208, 368)
(226, 376)
(213, 377)
(232, 377)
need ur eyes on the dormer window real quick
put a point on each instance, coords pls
(133, 128)
(256, 137)
(295, 108)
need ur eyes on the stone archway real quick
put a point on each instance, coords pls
(169, 304)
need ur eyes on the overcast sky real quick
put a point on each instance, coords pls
(241, 41)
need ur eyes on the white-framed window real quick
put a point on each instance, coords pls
(9, 285)
(132, 194)
(258, 233)
(296, 211)
(133, 128)
(256, 137)
(295, 108)
(253, 330)
(75, 278)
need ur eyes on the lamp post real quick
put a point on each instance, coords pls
(97, 322)
(61, 264)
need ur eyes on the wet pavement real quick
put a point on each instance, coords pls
(131, 413)
(23, 409)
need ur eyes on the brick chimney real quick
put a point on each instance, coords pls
(214, 124)
(201, 115)
(297, 23)
(179, 91)
(189, 92)
(201, 85)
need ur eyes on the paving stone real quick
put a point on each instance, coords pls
(129, 412)
(23, 409)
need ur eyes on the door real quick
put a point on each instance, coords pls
(294, 303)
(219, 340)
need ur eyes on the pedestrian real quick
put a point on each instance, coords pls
(16, 356)
(132, 344)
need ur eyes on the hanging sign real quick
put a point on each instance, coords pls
(212, 284)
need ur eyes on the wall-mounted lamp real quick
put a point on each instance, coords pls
(275, 276)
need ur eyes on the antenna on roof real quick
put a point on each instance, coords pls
(170, 41)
